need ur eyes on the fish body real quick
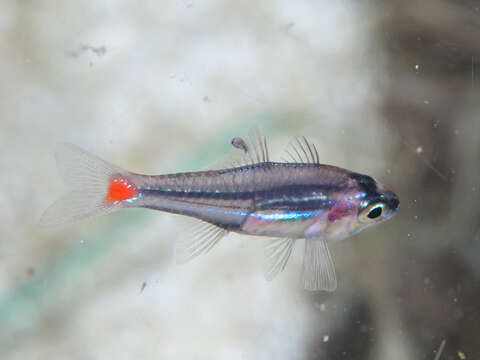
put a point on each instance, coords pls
(286, 200)
(267, 199)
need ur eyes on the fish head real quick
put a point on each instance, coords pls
(363, 203)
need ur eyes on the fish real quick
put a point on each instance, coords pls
(293, 199)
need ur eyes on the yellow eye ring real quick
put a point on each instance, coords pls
(372, 212)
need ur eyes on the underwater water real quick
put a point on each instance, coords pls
(386, 88)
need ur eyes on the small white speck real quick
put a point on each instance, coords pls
(417, 67)
(436, 123)
(419, 150)
(416, 217)
(326, 338)
(426, 102)
(455, 300)
(409, 235)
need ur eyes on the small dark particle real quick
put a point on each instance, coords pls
(144, 285)
(99, 51)
(239, 143)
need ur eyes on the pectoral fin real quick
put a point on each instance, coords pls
(318, 267)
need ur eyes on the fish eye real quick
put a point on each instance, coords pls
(372, 212)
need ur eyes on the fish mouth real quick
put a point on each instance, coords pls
(388, 197)
(392, 200)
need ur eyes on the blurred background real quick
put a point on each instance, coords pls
(386, 88)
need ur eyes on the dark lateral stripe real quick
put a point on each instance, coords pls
(282, 197)
(201, 194)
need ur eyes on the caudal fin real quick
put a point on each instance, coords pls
(95, 187)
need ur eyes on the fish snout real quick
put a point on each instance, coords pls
(392, 200)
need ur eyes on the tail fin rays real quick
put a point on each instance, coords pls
(87, 178)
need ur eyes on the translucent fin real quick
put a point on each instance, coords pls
(318, 267)
(87, 177)
(278, 253)
(204, 237)
(300, 150)
(257, 148)
(249, 151)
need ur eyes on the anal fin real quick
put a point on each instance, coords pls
(318, 267)
(278, 252)
(202, 238)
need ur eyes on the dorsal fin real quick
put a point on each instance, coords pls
(250, 150)
(300, 150)
(257, 148)
(254, 149)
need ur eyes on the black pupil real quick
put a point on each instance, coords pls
(375, 212)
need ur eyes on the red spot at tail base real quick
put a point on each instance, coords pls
(120, 189)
